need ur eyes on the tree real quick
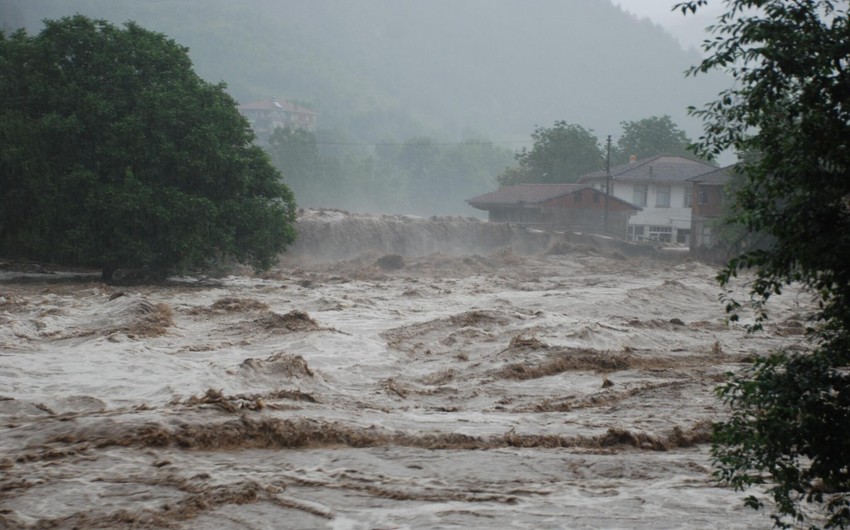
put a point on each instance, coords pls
(295, 152)
(561, 153)
(651, 136)
(418, 157)
(789, 424)
(465, 170)
(442, 175)
(114, 153)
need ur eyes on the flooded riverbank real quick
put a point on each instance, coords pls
(486, 389)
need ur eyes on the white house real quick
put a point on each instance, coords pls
(660, 186)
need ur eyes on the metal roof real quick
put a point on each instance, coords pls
(524, 193)
(532, 194)
(659, 168)
(717, 177)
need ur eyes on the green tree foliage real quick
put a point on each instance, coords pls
(459, 171)
(418, 158)
(326, 170)
(368, 66)
(561, 153)
(790, 412)
(649, 137)
(295, 152)
(422, 176)
(114, 153)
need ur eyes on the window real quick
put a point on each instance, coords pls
(662, 197)
(706, 236)
(702, 197)
(688, 197)
(635, 232)
(639, 196)
(577, 196)
(663, 234)
(683, 237)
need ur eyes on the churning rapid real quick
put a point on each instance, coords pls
(392, 373)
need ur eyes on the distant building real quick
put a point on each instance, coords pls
(267, 115)
(708, 199)
(576, 207)
(661, 187)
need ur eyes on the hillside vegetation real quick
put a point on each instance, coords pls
(435, 73)
(397, 68)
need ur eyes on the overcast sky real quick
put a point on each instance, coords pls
(655, 10)
(688, 29)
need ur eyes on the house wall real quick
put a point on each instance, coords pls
(702, 236)
(588, 220)
(584, 211)
(515, 214)
(708, 199)
(671, 224)
(707, 208)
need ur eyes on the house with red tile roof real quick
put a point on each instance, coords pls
(576, 207)
(269, 114)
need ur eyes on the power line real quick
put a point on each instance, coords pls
(428, 144)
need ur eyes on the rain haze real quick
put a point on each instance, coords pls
(397, 88)
(689, 30)
(446, 343)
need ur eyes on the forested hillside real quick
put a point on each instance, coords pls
(395, 68)
(389, 71)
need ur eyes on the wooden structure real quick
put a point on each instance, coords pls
(707, 205)
(575, 207)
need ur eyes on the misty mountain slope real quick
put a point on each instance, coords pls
(502, 66)
(391, 69)
(259, 52)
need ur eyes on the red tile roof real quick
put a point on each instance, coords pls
(275, 104)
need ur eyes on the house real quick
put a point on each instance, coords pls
(267, 115)
(707, 205)
(659, 185)
(576, 207)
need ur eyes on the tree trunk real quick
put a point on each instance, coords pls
(107, 273)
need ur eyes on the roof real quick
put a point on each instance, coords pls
(718, 177)
(532, 194)
(659, 168)
(275, 104)
(524, 193)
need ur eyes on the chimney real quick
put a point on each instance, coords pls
(632, 159)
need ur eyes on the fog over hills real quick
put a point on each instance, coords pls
(384, 70)
(689, 30)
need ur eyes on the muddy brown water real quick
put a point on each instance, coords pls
(479, 391)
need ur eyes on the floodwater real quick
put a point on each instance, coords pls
(568, 389)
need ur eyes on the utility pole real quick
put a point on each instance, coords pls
(607, 180)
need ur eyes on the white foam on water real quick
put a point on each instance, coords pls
(549, 367)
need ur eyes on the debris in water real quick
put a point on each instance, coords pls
(278, 364)
(391, 262)
(293, 321)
